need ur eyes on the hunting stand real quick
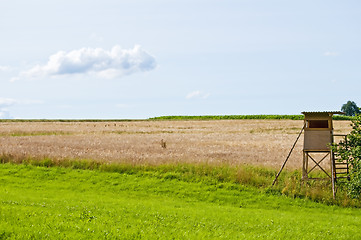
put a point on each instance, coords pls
(318, 136)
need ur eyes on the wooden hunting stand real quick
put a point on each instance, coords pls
(318, 137)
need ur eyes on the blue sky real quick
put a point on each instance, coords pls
(114, 59)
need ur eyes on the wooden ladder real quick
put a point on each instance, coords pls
(340, 173)
(340, 168)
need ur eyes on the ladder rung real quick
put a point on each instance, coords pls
(341, 168)
(343, 177)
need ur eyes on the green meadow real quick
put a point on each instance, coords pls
(39, 202)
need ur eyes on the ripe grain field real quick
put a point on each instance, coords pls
(231, 142)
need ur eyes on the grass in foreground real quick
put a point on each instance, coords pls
(64, 203)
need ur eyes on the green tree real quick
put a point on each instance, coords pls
(350, 108)
(350, 150)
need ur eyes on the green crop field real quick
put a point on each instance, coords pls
(66, 203)
(182, 117)
(240, 117)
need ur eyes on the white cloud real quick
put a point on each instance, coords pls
(4, 114)
(4, 103)
(95, 37)
(9, 102)
(197, 94)
(122, 105)
(5, 68)
(115, 63)
(330, 54)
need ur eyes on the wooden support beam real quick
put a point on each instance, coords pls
(319, 165)
(289, 154)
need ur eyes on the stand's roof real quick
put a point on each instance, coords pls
(330, 113)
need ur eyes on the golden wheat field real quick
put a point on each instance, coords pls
(234, 142)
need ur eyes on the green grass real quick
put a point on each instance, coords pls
(289, 183)
(183, 202)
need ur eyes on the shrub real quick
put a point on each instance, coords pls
(350, 150)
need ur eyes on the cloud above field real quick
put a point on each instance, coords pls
(197, 95)
(330, 54)
(4, 114)
(4, 68)
(113, 63)
(4, 104)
